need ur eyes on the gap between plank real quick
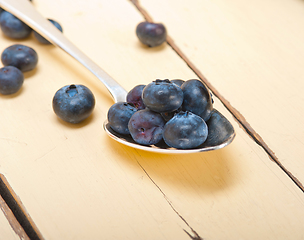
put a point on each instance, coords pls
(15, 225)
(235, 113)
(18, 212)
(196, 236)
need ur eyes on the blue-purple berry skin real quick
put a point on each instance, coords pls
(11, 80)
(119, 115)
(20, 56)
(13, 27)
(185, 131)
(197, 98)
(42, 39)
(146, 127)
(178, 82)
(73, 103)
(135, 96)
(168, 115)
(162, 96)
(151, 34)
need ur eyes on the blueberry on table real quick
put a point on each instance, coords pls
(185, 130)
(135, 96)
(11, 80)
(162, 96)
(146, 127)
(42, 39)
(73, 103)
(12, 27)
(119, 115)
(197, 98)
(151, 34)
(20, 56)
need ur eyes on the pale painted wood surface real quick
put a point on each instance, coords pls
(252, 52)
(76, 183)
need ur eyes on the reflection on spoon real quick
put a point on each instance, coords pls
(221, 132)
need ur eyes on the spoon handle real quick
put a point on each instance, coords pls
(26, 12)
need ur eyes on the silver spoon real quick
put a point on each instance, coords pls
(221, 132)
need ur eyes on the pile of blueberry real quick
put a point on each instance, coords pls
(174, 111)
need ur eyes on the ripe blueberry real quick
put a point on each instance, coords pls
(11, 80)
(197, 98)
(146, 127)
(162, 96)
(168, 115)
(185, 130)
(42, 39)
(119, 115)
(151, 34)
(12, 27)
(178, 82)
(135, 96)
(20, 56)
(73, 103)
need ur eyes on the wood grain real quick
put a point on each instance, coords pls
(77, 183)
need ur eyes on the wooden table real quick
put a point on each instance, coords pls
(9, 227)
(74, 182)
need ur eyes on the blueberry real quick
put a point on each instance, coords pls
(197, 98)
(42, 39)
(11, 80)
(20, 56)
(12, 27)
(162, 96)
(146, 127)
(178, 82)
(185, 130)
(73, 103)
(168, 115)
(119, 115)
(151, 34)
(135, 96)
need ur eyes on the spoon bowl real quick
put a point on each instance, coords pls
(221, 132)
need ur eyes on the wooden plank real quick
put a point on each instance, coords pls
(16, 213)
(77, 183)
(10, 228)
(257, 47)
